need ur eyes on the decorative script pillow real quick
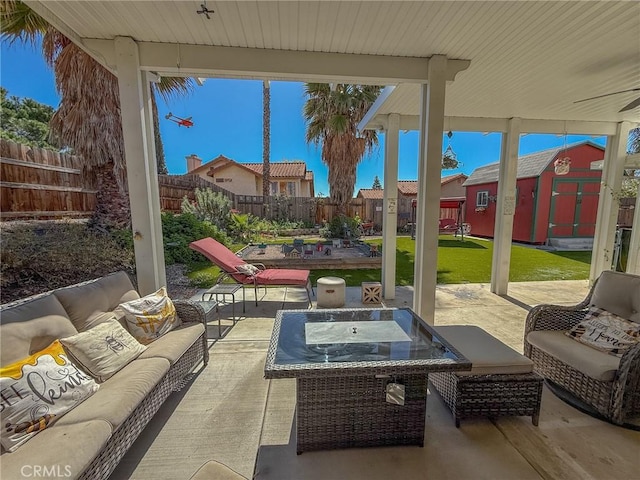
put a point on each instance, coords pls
(248, 269)
(150, 317)
(37, 391)
(104, 349)
(606, 331)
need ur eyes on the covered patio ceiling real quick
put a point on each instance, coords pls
(518, 67)
(528, 59)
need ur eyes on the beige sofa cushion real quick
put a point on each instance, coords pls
(175, 343)
(487, 354)
(591, 362)
(121, 394)
(86, 304)
(31, 326)
(51, 448)
(618, 293)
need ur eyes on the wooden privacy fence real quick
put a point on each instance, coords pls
(173, 188)
(625, 214)
(42, 184)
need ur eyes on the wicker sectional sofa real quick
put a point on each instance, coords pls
(606, 383)
(90, 440)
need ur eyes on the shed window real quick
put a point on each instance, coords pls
(482, 198)
(291, 189)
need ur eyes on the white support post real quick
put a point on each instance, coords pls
(390, 207)
(432, 99)
(141, 168)
(633, 260)
(154, 203)
(505, 208)
(608, 203)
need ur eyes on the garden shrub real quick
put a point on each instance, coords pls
(245, 228)
(341, 227)
(209, 206)
(179, 231)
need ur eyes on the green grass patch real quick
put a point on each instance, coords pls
(467, 261)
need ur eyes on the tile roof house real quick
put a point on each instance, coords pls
(451, 187)
(287, 178)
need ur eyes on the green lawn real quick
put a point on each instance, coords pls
(467, 261)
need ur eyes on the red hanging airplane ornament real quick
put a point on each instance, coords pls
(182, 122)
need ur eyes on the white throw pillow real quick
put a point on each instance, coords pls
(248, 269)
(150, 317)
(606, 332)
(37, 391)
(103, 350)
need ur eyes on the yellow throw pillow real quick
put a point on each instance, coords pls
(150, 317)
(38, 390)
(104, 349)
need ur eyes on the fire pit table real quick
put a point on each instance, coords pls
(361, 374)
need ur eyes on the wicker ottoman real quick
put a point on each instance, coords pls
(500, 383)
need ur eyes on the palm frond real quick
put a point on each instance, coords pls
(332, 120)
(20, 23)
(172, 87)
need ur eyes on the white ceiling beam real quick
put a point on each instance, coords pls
(478, 124)
(206, 60)
(41, 9)
(631, 162)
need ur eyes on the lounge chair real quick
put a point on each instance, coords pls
(245, 273)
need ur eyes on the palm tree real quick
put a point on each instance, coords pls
(88, 117)
(332, 118)
(266, 144)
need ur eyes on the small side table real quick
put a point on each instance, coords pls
(224, 289)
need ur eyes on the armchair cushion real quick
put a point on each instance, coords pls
(593, 363)
(618, 293)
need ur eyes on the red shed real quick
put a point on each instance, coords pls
(548, 204)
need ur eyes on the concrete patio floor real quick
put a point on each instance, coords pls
(228, 412)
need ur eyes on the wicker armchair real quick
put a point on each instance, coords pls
(615, 392)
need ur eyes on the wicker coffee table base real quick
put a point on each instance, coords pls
(341, 412)
(490, 395)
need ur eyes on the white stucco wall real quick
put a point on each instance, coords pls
(453, 189)
(242, 182)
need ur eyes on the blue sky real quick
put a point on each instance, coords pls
(227, 116)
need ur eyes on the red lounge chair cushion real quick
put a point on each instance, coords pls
(229, 261)
(277, 276)
(217, 253)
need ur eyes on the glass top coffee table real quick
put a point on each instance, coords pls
(361, 374)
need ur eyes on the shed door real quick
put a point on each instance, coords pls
(574, 205)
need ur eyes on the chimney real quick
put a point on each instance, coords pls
(193, 162)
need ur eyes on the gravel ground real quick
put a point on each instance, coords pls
(178, 285)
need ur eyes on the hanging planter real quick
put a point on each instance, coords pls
(562, 164)
(449, 157)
